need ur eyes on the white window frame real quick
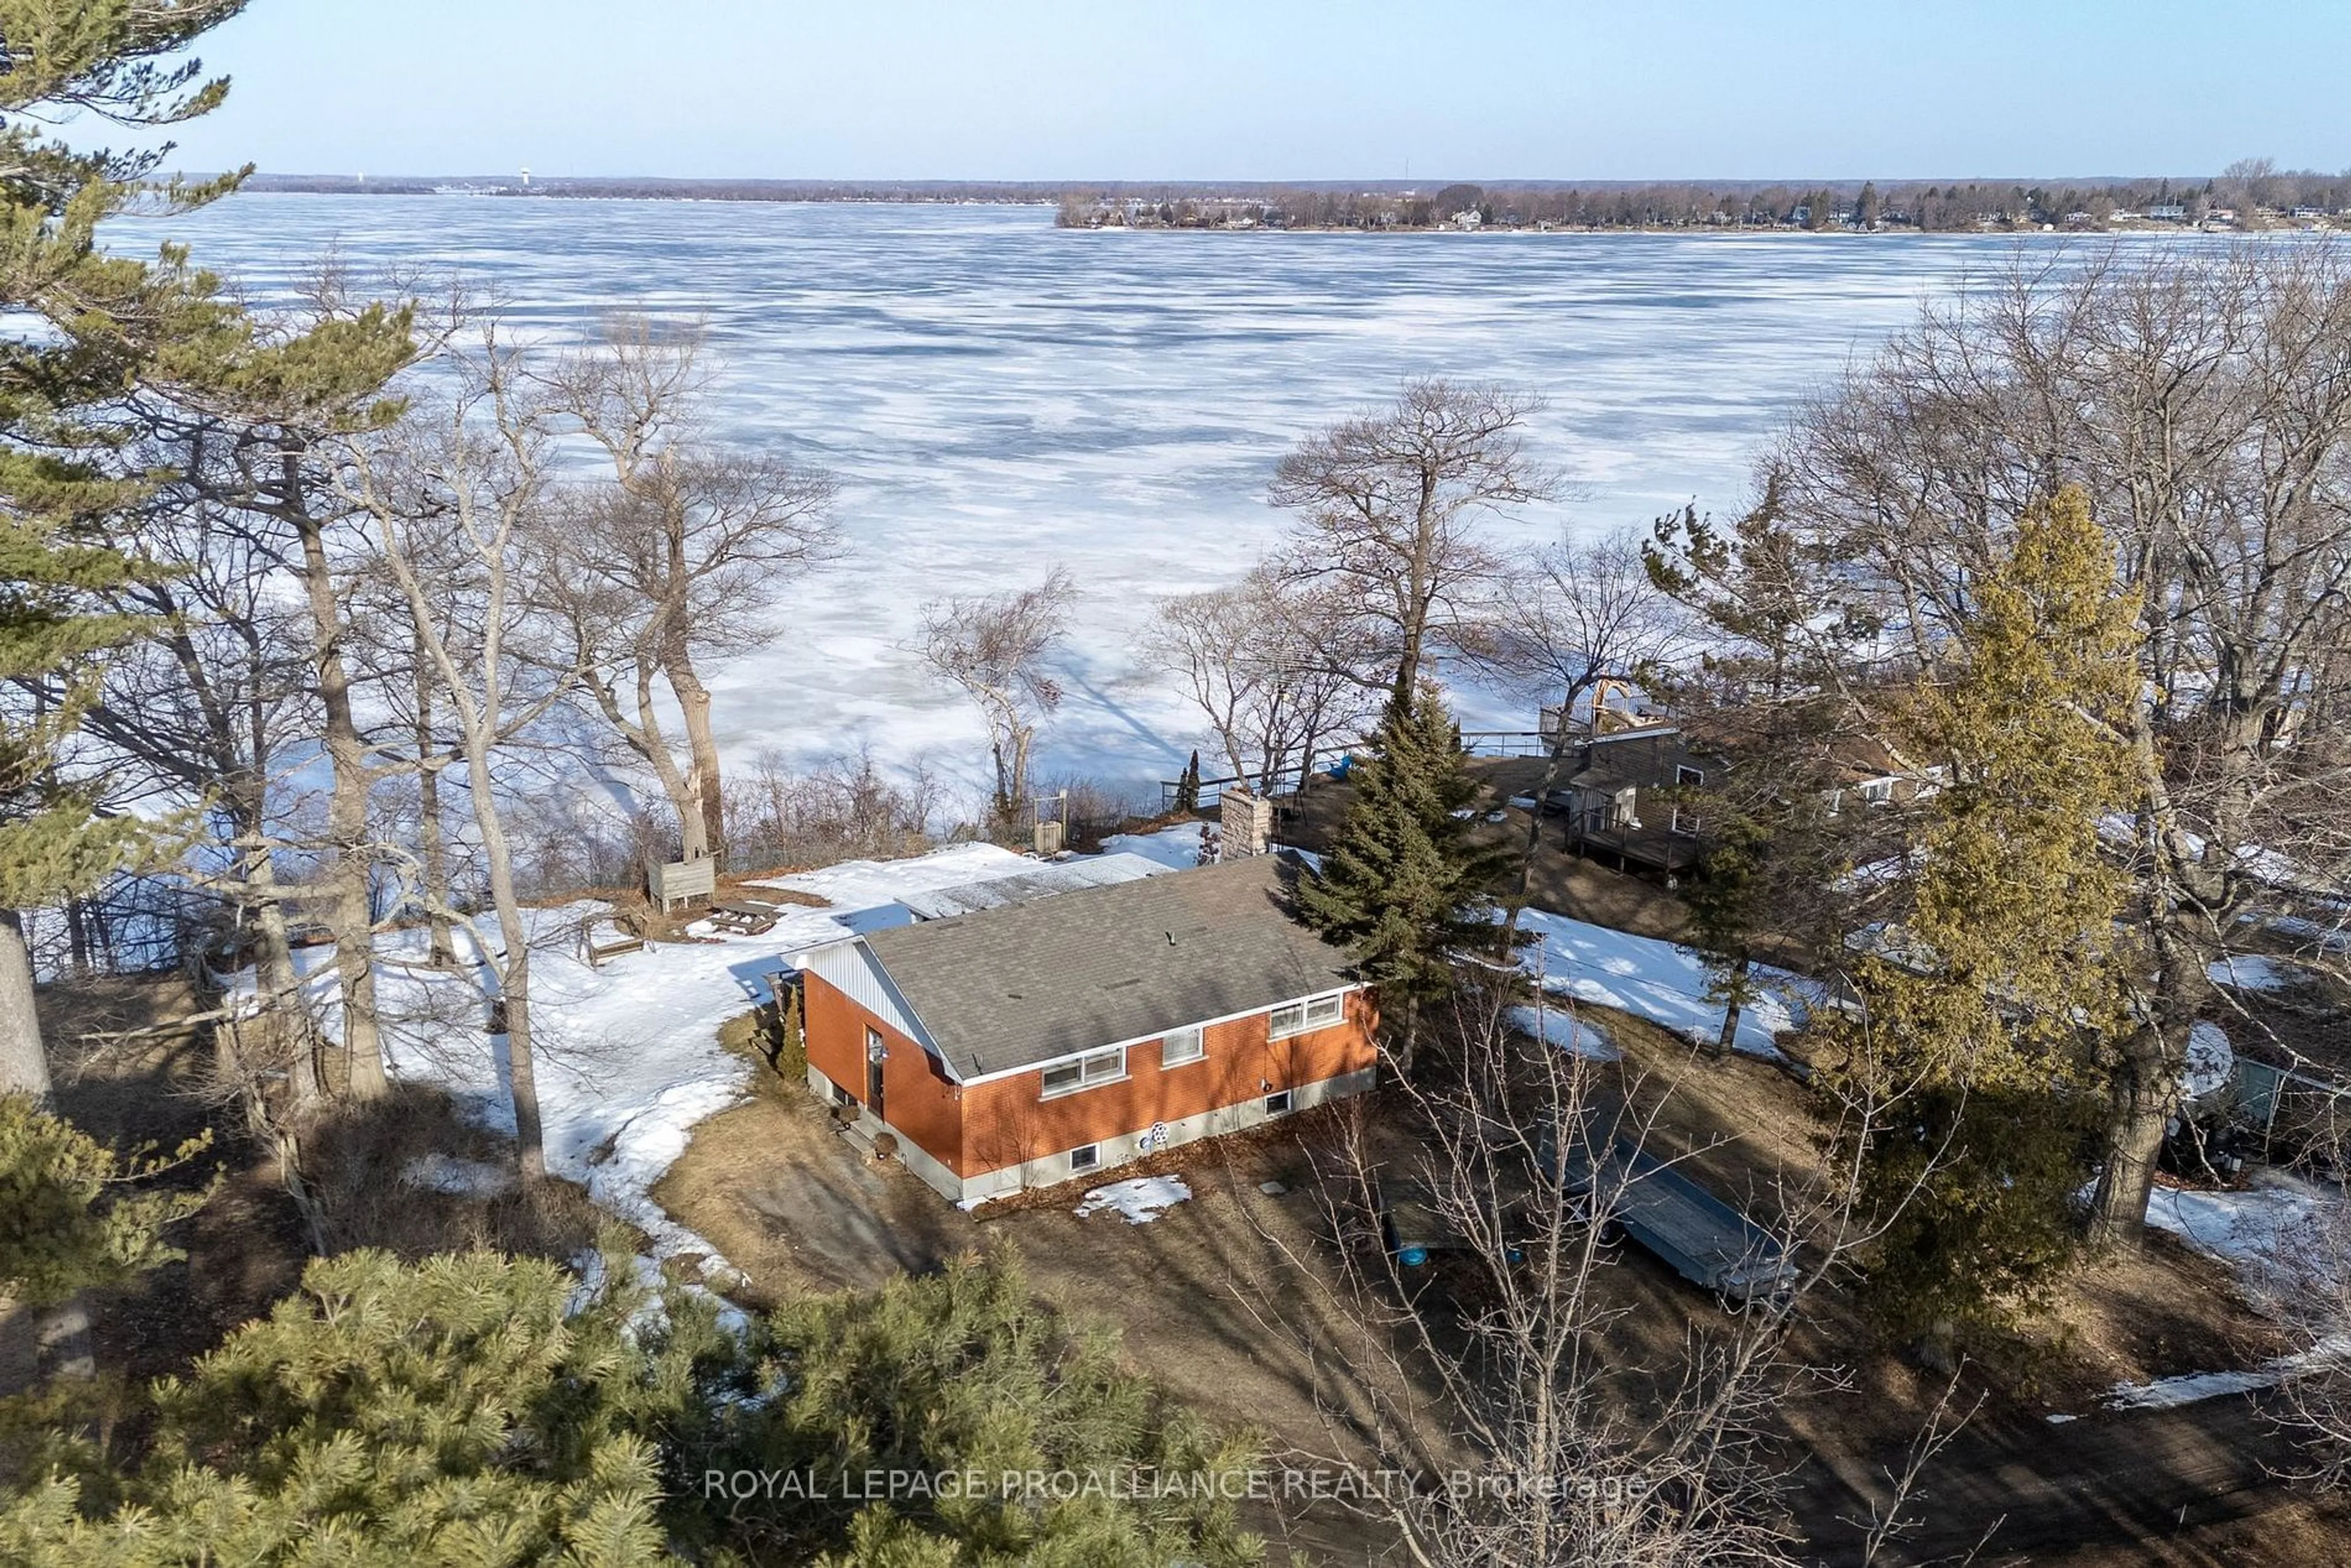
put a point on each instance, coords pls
(1288, 1099)
(1093, 1070)
(1688, 778)
(1307, 1014)
(1181, 1047)
(1085, 1157)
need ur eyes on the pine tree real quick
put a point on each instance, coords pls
(1985, 1038)
(1724, 903)
(1187, 786)
(961, 1372)
(1403, 887)
(66, 1220)
(465, 1409)
(478, 1410)
(109, 318)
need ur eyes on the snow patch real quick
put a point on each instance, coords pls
(1176, 847)
(2254, 1229)
(1661, 982)
(1140, 1201)
(2166, 1392)
(1561, 1028)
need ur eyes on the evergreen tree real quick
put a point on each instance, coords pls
(961, 1374)
(66, 1221)
(1985, 1019)
(1724, 902)
(103, 320)
(1403, 887)
(1187, 786)
(481, 1409)
(454, 1411)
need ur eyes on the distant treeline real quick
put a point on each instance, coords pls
(2246, 195)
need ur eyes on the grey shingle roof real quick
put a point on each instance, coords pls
(1010, 987)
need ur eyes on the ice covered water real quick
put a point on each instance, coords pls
(999, 395)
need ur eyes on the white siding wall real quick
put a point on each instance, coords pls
(852, 968)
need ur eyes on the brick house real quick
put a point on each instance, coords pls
(1027, 1044)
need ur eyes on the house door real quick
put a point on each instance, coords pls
(876, 1053)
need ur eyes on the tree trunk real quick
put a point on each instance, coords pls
(432, 853)
(288, 1021)
(2147, 1090)
(514, 970)
(2142, 1105)
(1734, 1005)
(693, 703)
(24, 1065)
(348, 915)
(685, 792)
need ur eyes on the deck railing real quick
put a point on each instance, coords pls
(1286, 780)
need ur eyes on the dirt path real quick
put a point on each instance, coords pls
(2190, 1486)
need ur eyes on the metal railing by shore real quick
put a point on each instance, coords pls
(1287, 780)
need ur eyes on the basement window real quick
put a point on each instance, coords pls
(1298, 1017)
(1085, 1157)
(1277, 1103)
(1178, 1046)
(1086, 1073)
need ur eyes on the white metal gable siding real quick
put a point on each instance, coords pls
(852, 968)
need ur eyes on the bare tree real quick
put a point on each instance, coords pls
(262, 420)
(684, 557)
(1580, 613)
(450, 497)
(212, 712)
(2203, 401)
(1506, 1362)
(1390, 506)
(995, 648)
(1268, 664)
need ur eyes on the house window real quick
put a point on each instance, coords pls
(1298, 1017)
(1879, 792)
(1102, 1067)
(876, 1047)
(1086, 1157)
(1684, 822)
(1688, 778)
(1277, 1103)
(1182, 1045)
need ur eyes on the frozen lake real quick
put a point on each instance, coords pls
(999, 395)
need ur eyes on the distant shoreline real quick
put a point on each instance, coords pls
(2234, 202)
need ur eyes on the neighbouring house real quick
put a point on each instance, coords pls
(1631, 798)
(1027, 1044)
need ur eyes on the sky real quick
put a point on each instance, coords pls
(1276, 90)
